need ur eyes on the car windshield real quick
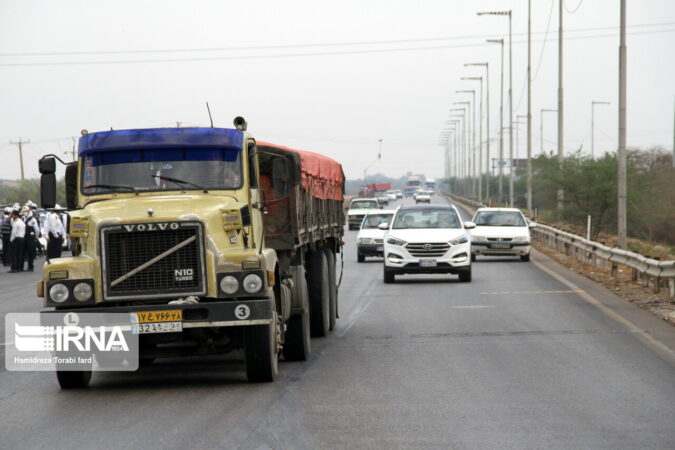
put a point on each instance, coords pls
(499, 219)
(426, 218)
(374, 220)
(364, 204)
(157, 170)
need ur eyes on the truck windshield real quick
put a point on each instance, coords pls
(159, 170)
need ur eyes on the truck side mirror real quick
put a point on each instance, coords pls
(47, 166)
(71, 186)
(281, 177)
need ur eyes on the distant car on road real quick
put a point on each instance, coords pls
(399, 193)
(427, 239)
(500, 232)
(382, 198)
(370, 240)
(422, 197)
(358, 209)
(391, 195)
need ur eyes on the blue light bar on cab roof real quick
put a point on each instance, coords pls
(156, 138)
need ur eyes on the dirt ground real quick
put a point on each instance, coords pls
(659, 304)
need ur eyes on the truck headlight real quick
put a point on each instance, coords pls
(229, 284)
(460, 240)
(82, 292)
(58, 293)
(252, 283)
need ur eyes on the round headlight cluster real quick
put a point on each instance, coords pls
(229, 284)
(58, 293)
(252, 283)
(82, 292)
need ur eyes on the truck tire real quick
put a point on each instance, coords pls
(297, 346)
(260, 352)
(465, 275)
(73, 379)
(319, 293)
(332, 287)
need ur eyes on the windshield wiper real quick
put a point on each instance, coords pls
(111, 187)
(180, 183)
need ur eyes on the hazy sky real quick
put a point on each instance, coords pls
(322, 76)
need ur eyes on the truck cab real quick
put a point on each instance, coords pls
(173, 220)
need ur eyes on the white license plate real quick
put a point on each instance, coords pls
(428, 263)
(157, 327)
(380, 249)
(500, 246)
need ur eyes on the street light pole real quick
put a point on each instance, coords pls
(501, 121)
(480, 139)
(507, 13)
(593, 103)
(621, 153)
(462, 144)
(465, 161)
(379, 156)
(487, 125)
(529, 109)
(560, 98)
(472, 155)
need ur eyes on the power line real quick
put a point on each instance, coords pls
(312, 45)
(541, 55)
(292, 55)
(574, 10)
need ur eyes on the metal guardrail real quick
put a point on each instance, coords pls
(647, 270)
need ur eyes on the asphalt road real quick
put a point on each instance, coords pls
(511, 360)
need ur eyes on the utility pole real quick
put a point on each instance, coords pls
(529, 109)
(20, 143)
(460, 143)
(487, 126)
(541, 127)
(593, 103)
(560, 99)
(621, 154)
(472, 156)
(501, 122)
(379, 156)
(466, 135)
(524, 116)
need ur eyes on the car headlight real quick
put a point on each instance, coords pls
(460, 240)
(82, 292)
(58, 293)
(365, 240)
(521, 238)
(252, 283)
(394, 241)
(229, 284)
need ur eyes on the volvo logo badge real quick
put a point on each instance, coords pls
(159, 226)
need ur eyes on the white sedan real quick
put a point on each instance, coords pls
(500, 232)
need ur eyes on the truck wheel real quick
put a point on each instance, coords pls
(473, 257)
(389, 276)
(332, 287)
(260, 352)
(319, 293)
(297, 346)
(69, 379)
(465, 275)
(360, 257)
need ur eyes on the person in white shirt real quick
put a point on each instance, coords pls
(55, 232)
(16, 241)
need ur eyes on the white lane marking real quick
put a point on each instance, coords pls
(471, 306)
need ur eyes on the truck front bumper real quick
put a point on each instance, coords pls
(231, 313)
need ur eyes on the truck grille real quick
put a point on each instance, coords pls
(428, 250)
(152, 260)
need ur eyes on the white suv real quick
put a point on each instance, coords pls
(427, 239)
(500, 232)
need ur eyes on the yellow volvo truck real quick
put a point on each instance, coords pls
(210, 241)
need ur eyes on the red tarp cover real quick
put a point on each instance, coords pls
(322, 176)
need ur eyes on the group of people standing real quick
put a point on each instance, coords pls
(20, 233)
